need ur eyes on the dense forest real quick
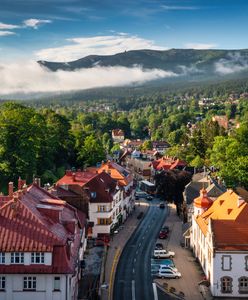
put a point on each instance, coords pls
(43, 138)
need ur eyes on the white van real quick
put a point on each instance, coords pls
(163, 253)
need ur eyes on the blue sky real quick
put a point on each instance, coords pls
(69, 29)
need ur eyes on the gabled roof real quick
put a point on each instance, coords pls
(167, 163)
(229, 210)
(36, 221)
(80, 178)
(117, 172)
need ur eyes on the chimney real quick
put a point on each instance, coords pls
(19, 183)
(240, 201)
(11, 189)
(74, 177)
(68, 173)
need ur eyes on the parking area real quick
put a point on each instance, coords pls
(184, 261)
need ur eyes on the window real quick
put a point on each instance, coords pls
(17, 258)
(226, 285)
(56, 283)
(246, 263)
(2, 258)
(2, 283)
(243, 285)
(29, 283)
(37, 258)
(101, 208)
(226, 262)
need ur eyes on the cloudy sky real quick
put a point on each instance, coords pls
(64, 30)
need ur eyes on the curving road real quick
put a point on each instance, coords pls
(133, 280)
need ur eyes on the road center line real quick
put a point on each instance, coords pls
(134, 260)
(133, 290)
(155, 292)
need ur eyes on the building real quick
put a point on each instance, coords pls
(98, 194)
(166, 163)
(219, 239)
(42, 242)
(160, 146)
(125, 184)
(118, 135)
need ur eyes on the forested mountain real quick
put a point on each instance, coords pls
(182, 63)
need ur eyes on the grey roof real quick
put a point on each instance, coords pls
(214, 190)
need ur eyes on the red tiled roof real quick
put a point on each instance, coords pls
(79, 178)
(98, 187)
(27, 224)
(203, 201)
(167, 163)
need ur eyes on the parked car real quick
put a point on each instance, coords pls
(149, 198)
(165, 267)
(163, 235)
(159, 246)
(169, 274)
(163, 253)
(140, 215)
(162, 205)
(165, 229)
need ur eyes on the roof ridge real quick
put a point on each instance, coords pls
(37, 218)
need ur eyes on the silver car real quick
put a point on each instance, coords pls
(169, 274)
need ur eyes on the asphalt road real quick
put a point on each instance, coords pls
(133, 280)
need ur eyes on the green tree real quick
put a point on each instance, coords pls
(91, 152)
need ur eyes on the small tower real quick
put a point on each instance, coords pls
(202, 203)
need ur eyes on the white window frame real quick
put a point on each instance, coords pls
(37, 258)
(2, 283)
(2, 258)
(29, 283)
(56, 283)
(17, 256)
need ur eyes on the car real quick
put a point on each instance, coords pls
(163, 253)
(169, 274)
(159, 246)
(165, 229)
(162, 235)
(162, 205)
(149, 198)
(140, 215)
(166, 267)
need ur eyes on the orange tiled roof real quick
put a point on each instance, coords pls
(228, 215)
(117, 172)
(203, 201)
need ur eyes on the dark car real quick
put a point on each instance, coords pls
(165, 229)
(163, 235)
(159, 246)
(149, 198)
(161, 205)
(140, 215)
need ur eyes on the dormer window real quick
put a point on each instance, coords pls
(93, 194)
(17, 258)
(37, 258)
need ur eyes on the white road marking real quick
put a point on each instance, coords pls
(155, 292)
(143, 237)
(133, 271)
(134, 260)
(139, 244)
(137, 251)
(133, 290)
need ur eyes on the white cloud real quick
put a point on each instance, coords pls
(232, 64)
(178, 7)
(4, 26)
(6, 32)
(35, 23)
(200, 46)
(99, 45)
(28, 77)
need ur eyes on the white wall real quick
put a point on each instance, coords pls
(44, 288)
(237, 271)
(27, 258)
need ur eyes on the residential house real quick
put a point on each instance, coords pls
(99, 194)
(166, 163)
(219, 239)
(125, 184)
(42, 242)
(160, 146)
(118, 135)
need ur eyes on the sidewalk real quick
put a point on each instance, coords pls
(184, 261)
(116, 247)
